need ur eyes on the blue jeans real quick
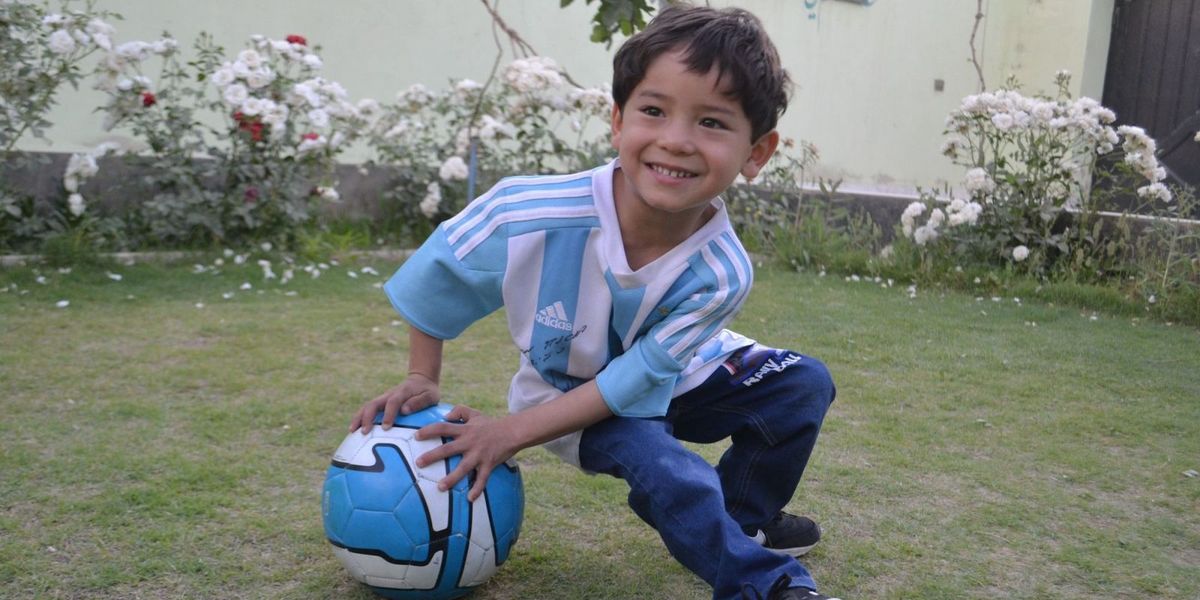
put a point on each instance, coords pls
(771, 403)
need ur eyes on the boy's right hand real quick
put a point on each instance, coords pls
(415, 393)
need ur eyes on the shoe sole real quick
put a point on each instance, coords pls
(794, 552)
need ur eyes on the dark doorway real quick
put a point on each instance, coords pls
(1153, 78)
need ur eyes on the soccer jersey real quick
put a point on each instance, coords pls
(549, 250)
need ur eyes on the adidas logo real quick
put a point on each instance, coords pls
(555, 316)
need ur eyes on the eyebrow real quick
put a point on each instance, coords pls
(653, 95)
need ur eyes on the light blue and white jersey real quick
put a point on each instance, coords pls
(549, 250)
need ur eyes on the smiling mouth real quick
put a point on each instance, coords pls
(670, 172)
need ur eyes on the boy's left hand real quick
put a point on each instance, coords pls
(482, 442)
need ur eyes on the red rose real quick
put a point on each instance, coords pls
(253, 125)
(310, 136)
(297, 39)
(148, 99)
(251, 195)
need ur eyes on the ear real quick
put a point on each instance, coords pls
(616, 125)
(760, 153)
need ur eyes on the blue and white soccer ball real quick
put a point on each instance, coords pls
(395, 532)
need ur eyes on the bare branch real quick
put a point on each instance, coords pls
(520, 47)
(974, 57)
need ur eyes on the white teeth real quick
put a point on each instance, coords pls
(670, 173)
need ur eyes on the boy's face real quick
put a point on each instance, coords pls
(681, 140)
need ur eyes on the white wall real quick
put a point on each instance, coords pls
(865, 74)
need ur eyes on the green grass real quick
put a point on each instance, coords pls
(977, 449)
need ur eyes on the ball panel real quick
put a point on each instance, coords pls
(376, 487)
(480, 561)
(336, 505)
(506, 506)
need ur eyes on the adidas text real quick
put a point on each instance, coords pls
(554, 316)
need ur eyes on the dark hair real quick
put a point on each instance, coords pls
(731, 39)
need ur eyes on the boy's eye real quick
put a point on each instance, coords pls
(652, 111)
(711, 123)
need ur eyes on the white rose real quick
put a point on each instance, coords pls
(453, 169)
(275, 114)
(328, 193)
(368, 108)
(977, 180)
(164, 46)
(252, 107)
(1003, 121)
(250, 57)
(75, 204)
(911, 212)
(433, 197)
(102, 41)
(924, 235)
(318, 117)
(133, 51)
(240, 69)
(61, 42)
(309, 145)
(236, 94)
(1020, 253)
(260, 78)
(223, 77)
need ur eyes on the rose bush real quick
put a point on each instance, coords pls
(530, 120)
(237, 148)
(42, 49)
(1037, 173)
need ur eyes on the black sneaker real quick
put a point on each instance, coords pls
(789, 534)
(780, 591)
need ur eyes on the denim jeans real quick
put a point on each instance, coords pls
(771, 404)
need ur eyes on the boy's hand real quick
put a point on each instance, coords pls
(415, 393)
(483, 443)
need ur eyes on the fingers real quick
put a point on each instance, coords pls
(439, 430)
(416, 403)
(481, 477)
(465, 468)
(462, 413)
(453, 477)
(390, 409)
(365, 417)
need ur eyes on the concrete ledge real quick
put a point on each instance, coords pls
(129, 258)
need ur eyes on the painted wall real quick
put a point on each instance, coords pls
(865, 73)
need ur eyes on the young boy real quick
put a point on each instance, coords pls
(617, 283)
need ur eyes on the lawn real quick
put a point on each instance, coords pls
(166, 435)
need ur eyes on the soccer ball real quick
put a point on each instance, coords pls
(395, 532)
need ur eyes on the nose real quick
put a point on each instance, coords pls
(676, 137)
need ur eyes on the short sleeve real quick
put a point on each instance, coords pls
(441, 295)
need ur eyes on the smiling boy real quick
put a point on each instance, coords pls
(618, 284)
